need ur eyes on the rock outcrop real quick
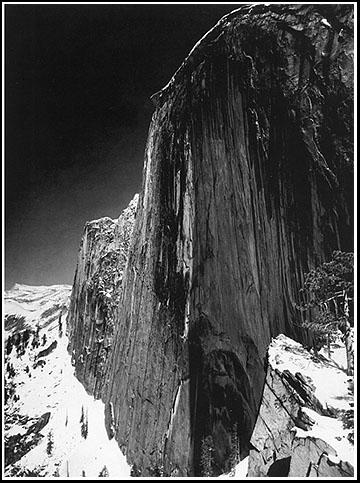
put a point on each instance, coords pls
(47, 351)
(20, 444)
(300, 431)
(96, 292)
(247, 184)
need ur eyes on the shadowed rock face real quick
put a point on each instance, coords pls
(247, 184)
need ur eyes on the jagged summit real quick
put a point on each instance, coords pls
(125, 213)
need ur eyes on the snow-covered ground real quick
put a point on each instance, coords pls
(54, 388)
(327, 375)
(240, 472)
(331, 387)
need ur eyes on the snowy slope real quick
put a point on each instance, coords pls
(331, 388)
(73, 441)
(62, 447)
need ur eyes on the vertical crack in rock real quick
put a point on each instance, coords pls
(247, 184)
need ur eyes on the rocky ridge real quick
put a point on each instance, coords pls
(96, 293)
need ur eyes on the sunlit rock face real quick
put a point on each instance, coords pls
(247, 184)
(96, 292)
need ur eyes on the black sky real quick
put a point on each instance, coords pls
(78, 81)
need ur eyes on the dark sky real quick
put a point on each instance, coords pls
(78, 79)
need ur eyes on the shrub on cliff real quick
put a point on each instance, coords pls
(84, 423)
(135, 471)
(156, 471)
(327, 294)
(104, 472)
(50, 443)
(14, 321)
(206, 457)
(9, 345)
(235, 453)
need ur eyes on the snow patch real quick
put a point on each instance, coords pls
(326, 23)
(330, 430)
(241, 470)
(285, 353)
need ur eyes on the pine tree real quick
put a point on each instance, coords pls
(82, 414)
(84, 424)
(20, 350)
(36, 338)
(235, 451)
(60, 324)
(10, 369)
(135, 472)
(327, 295)
(206, 458)
(26, 337)
(104, 472)
(17, 340)
(156, 470)
(50, 444)
(9, 345)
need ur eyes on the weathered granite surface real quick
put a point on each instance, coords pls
(96, 292)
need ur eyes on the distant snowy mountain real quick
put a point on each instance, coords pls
(52, 426)
(39, 305)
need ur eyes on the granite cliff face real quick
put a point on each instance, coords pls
(247, 183)
(96, 292)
